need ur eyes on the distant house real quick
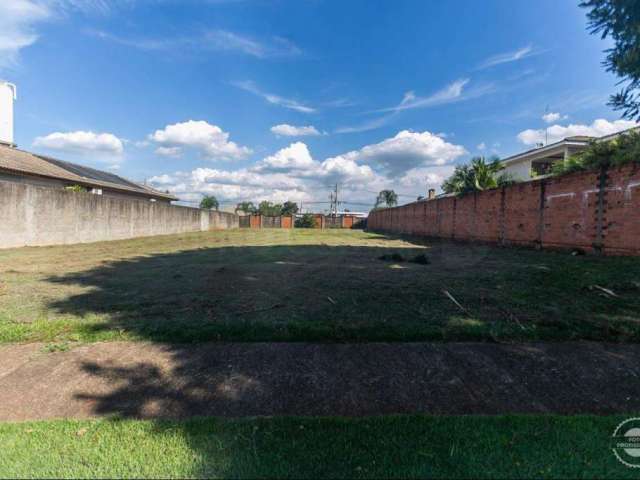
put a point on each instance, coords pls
(538, 161)
(24, 167)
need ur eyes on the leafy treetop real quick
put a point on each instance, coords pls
(620, 20)
(209, 202)
(476, 176)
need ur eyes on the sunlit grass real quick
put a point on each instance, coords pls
(380, 447)
(311, 285)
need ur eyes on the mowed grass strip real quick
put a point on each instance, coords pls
(310, 285)
(285, 447)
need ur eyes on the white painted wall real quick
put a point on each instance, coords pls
(7, 96)
(519, 170)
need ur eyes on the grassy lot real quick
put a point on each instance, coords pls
(390, 447)
(310, 285)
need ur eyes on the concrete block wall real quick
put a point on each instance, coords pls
(595, 211)
(37, 216)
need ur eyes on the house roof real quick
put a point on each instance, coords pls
(575, 141)
(21, 162)
(549, 149)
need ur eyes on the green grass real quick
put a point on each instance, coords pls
(310, 285)
(390, 447)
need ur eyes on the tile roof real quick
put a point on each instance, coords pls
(19, 161)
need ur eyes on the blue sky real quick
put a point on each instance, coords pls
(259, 99)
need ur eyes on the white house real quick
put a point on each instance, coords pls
(538, 161)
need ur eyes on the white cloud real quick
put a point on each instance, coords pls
(18, 19)
(366, 126)
(210, 40)
(225, 40)
(508, 57)
(553, 117)
(409, 162)
(209, 140)
(556, 133)
(81, 142)
(450, 93)
(175, 152)
(482, 146)
(454, 92)
(408, 150)
(294, 157)
(250, 87)
(285, 130)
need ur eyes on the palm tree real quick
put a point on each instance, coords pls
(388, 198)
(248, 208)
(477, 176)
(209, 202)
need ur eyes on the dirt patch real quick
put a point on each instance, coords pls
(144, 380)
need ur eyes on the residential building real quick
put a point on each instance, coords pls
(24, 167)
(538, 161)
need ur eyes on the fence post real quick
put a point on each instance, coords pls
(503, 213)
(598, 244)
(541, 206)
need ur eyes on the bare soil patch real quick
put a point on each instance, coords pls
(144, 380)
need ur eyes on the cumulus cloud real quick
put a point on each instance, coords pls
(408, 150)
(598, 128)
(175, 152)
(409, 162)
(295, 157)
(553, 117)
(285, 130)
(82, 142)
(210, 140)
(482, 146)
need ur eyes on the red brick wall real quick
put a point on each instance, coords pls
(489, 216)
(559, 212)
(570, 211)
(621, 226)
(286, 221)
(255, 221)
(465, 217)
(521, 216)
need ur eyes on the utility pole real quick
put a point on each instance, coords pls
(333, 202)
(546, 129)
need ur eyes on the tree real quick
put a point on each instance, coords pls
(76, 188)
(478, 175)
(620, 20)
(289, 208)
(621, 150)
(306, 221)
(209, 202)
(269, 209)
(387, 198)
(246, 207)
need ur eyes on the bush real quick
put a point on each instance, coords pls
(619, 151)
(306, 221)
(76, 188)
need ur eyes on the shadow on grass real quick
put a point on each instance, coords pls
(318, 293)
